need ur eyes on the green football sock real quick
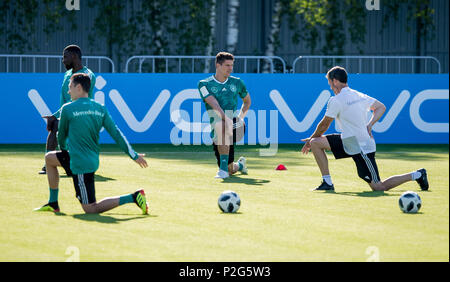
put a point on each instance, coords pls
(224, 162)
(126, 199)
(53, 195)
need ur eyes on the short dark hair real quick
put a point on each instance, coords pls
(83, 79)
(74, 49)
(338, 73)
(223, 56)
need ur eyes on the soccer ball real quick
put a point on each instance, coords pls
(410, 202)
(229, 202)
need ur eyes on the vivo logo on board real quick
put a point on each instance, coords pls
(192, 127)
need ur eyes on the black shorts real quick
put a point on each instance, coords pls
(365, 163)
(64, 159)
(84, 187)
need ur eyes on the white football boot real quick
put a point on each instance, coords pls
(243, 162)
(222, 174)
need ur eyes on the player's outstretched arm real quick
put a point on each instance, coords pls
(120, 139)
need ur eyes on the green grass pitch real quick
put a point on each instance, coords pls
(280, 218)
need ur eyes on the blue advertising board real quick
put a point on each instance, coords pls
(166, 108)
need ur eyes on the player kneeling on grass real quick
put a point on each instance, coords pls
(78, 131)
(350, 108)
(220, 94)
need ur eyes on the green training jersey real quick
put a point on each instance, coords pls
(79, 133)
(226, 94)
(65, 96)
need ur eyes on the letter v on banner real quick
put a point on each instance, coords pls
(310, 117)
(400, 102)
(414, 110)
(39, 104)
(130, 119)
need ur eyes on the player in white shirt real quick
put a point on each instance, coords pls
(350, 109)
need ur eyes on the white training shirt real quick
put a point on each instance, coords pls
(350, 109)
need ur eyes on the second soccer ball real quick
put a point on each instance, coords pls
(410, 202)
(229, 202)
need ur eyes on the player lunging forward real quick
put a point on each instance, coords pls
(350, 108)
(220, 94)
(78, 132)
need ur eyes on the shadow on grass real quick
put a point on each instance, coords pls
(248, 181)
(101, 178)
(412, 213)
(408, 156)
(230, 213)
(102, 218)
(98, 177)
(370, 194)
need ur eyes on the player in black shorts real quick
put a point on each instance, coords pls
(238, 133)
(350, 108)
(220, 93)
(83, 118)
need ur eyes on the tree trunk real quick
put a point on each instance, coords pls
(274, 34)
(212, 24)
(233, 25)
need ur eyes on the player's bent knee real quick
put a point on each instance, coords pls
(320, 143)
(51, 159)
(315, 141)
(90, 208)
(377, 186)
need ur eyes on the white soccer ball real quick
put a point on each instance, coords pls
(410, 202)
(229, 202)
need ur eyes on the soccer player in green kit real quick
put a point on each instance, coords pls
(78, 132)
(220, 94)
(72, 62)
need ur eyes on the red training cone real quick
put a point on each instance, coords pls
(281, 167)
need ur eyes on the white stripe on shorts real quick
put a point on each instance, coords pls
(82, 187)
(371, 168)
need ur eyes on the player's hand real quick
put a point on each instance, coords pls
(141, 161)
(240, 121)
(307, 146)
(50, 120)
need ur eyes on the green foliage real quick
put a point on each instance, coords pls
(109, 25)
(192, 32)
(149, 26)
(330, 20)
(17, 21)
(152, 26)
(55, 14)
(314, 12)
(419, 14)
